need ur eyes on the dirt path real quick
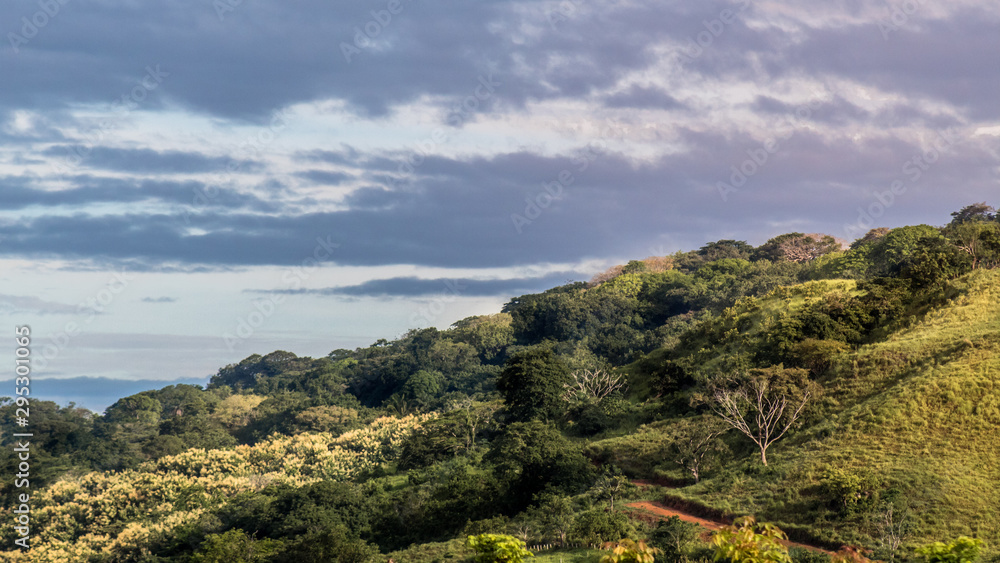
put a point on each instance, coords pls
(664, 512)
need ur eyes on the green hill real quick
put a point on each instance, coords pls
(919, 412)
(874, 367)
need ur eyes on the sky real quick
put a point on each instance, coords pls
(185, 184)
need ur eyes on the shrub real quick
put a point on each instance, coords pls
(961, 550)
(498, 548)
(748, 542)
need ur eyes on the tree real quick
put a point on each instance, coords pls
(593, 385)
(935, 263)
(475, 415)
(490, 334)
(891, 526)
(532, 384)
(980, 240)
(613, 486)
(747, 542)
(796, 247)
(598, 526)
(498, 548)
(693, 442)
(530, 457)
(236, 411)
(975, 212)
(235, 546)
(557, 516)
(672, 537)
(761, 407)
(423, 387)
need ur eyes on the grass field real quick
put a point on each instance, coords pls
(918, 412)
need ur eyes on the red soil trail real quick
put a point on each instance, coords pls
(664, 512)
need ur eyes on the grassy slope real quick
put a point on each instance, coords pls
(921, 408)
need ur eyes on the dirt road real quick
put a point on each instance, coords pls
(664, 512)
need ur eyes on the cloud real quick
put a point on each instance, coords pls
(28, 304)
(324, 177)
(145, 160)
(640, 97)
(419, 287)
(20, 192)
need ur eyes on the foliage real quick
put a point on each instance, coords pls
(960, 550)
(627, 550)
(530, 457)
(532, 384)
(796, 247)
(597, 527)
(851, 492)
(749, 542)
(344, 457)
(672, 537)
(498, 548)
(613, 487)
(235, 546)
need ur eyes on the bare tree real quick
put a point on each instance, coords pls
(758, 410)
(892, 526)
(593, 385)
(612, 487)
(693, 443)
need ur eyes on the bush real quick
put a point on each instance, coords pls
(961, 550)
(498, 548)
(749, 542)
(673, 537)
(803, 555)
(597, 526)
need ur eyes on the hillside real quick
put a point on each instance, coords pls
(918, 412)
(530, 422)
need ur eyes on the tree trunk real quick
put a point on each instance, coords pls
(763, 455)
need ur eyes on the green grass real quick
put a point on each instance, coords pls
(920, 409)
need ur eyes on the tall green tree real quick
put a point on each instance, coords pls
(532, 384)
(530, 457)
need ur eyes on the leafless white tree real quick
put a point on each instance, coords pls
(593, 385)
(892, 527)
(758, 411)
